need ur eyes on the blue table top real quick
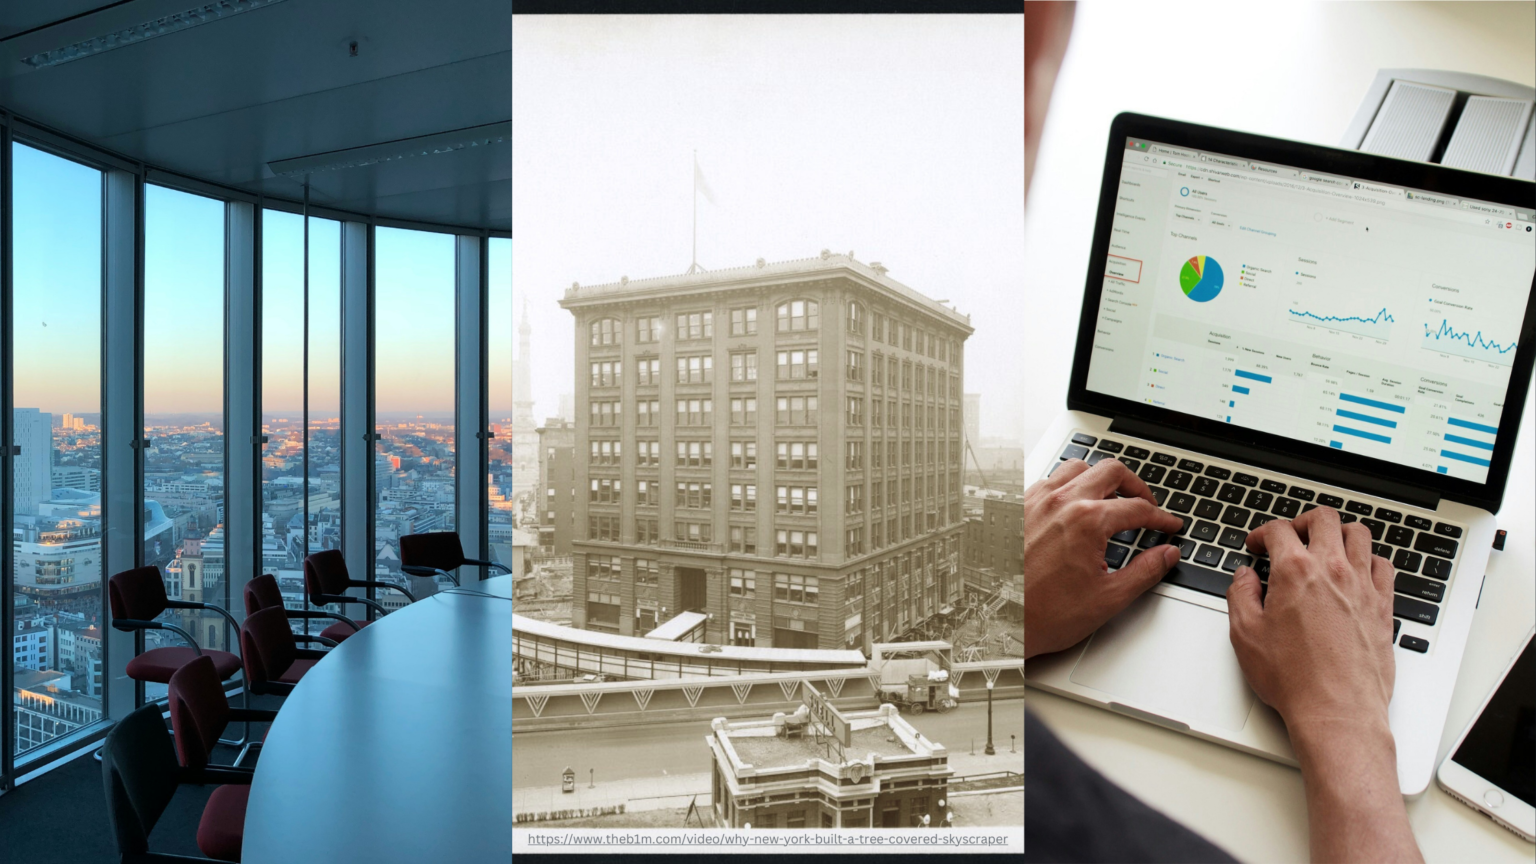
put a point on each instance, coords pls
(397, 746)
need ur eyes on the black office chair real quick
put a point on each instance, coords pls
(438, 553)
(140, 774)
(264, 593)
(326, 581)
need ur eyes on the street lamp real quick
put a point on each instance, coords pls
(990, 751)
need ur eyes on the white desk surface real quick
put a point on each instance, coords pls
(1302, 79)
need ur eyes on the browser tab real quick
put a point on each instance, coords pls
(1376, 189)
(1325, 180)
(1489, 209)
(1159, 149)
(1427, 198)
(1273, 170)
(1218, 160)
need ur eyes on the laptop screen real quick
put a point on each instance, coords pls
(1374, 319)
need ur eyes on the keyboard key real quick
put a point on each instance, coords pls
(1261, 567)
(1419, 522)
(1217, 472)
(1433, 544)
(1204, 579)
(1152, 473)
(1125, 536)
(1111, 446)
(1274, 487)
(1152, 538)
(1259, 519)
(1085, 440)
(1386, 515)
(1164, 459)
(1300, 494)
(1074, 451)
(1231, 493)
(1210, 556)
(1185, 526)
(1054, 468)
(1396, 626)
(1098, 456)
(1408, 561)
(1205, 532)
(1287, 508)
(1309, 506)
(1181, 502)
(1187, 548)
(1159, 494)
(1208, 509)
(1191, 465)
(1346, 518)
(1333, 501)
(1360, 508)
(1257, 500)
(1233, 538)
(1205, 487)
(1410, 609)
(1424, 589)
(1235, 560)
(1114, 555)
(1414, 643)
(1235, 516)
(1131, 464)
(1381, 550)
(1397, 535)
(1447, 530)
(1437, 568)
(1245, 479)
(1177, 481)
(1377, 528)
(1137, 452)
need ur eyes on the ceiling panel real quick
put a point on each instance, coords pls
(19, 16)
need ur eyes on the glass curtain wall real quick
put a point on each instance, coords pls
(414, 391)
(184, 411)
(302, 425)
(498, 310)
(56, 636)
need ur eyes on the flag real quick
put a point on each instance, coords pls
(700, 184)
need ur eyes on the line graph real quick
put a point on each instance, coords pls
(1378, 326)
(1467, 343)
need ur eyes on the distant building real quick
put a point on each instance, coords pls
(775, 445)
(973, 419)
(568, 407)
(34, 463)
(1001, 468)
(889, 776)
(525, 435)
(994, 540)
(47, 707)
(557, 487)
(84, 479)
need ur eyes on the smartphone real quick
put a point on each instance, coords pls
(1492, 766)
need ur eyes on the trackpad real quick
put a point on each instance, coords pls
(1171, 658)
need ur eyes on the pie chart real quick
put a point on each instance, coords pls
(1201, 278)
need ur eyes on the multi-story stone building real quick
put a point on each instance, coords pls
(557, 487)
(777, 446)
(994, 539)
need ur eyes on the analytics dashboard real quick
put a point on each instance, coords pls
(1374, 319)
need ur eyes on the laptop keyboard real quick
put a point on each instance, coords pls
(1219, 505)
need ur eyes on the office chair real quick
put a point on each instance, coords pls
(438, 554)
(137, 597)
(326, 581)
(200, 712)
(140, 775)
(263, 593)
(273, 661)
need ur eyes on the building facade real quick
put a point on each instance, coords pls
(994, 540)
(525, 436)
(557, 487)
(776, 446)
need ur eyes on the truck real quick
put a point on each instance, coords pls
(915, 676)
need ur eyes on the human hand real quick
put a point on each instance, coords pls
(1319, 646)
(1068, 520)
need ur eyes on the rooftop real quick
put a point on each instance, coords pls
(770, 751)
(763, 272)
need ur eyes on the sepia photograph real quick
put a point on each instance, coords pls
(767, 280)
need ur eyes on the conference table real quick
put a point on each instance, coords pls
(397, 747)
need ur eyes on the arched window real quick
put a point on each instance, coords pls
(606, 331)
(796, 315)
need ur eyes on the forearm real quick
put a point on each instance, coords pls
(1354, 808)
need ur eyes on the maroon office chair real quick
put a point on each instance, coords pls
(264, 593)
(140, 775)
(273, 661)
(326, 581)
(438, 553)
(200, 713)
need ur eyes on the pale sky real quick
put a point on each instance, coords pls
(899, 138)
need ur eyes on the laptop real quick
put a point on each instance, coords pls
(1269, 327)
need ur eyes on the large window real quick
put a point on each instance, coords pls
(414, 390)
(56, 636)
(499, 402)
(293, 525)
(184, 411)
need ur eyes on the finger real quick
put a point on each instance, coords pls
(1357, 546)
(1064, 475)
(1245, 608)
(1144, 571)
(1320, 530)
(1276, 539)
(1109, 477)
(1118, 514)
(1382, 577)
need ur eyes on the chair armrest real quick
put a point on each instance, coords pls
(128, 625)
(273, 688)
(327, 599)
(308, 654)
(209, 607)
(224, 775)
(373, 583)
(304, 637)
(418, 570)
(253, 715)
(489, 564)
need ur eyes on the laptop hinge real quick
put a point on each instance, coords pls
(1262, 458)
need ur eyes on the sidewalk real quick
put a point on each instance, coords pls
(637, 794)
(963, 763)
